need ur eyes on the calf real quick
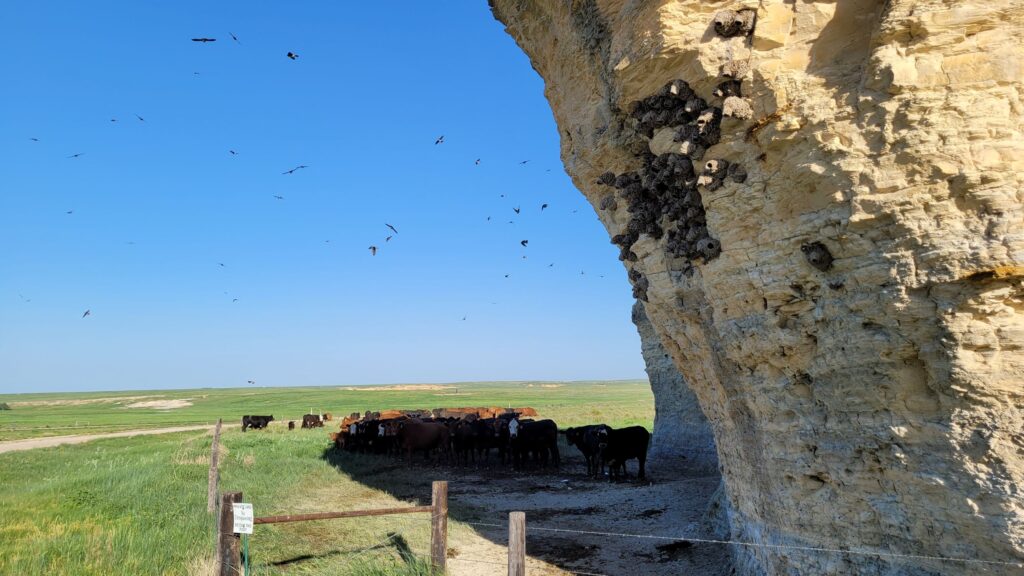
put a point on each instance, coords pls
(539, 439)
(256, 422)
(617, 446)
(425, 436)
(291, 424)
(585, 439)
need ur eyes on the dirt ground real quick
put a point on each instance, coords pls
(671, 503)
(15, 445)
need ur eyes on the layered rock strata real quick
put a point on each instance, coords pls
(682, 437)
(820, 204)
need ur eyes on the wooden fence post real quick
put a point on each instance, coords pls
(516, 544)
(228, 550)
(211, 490)
(439, 525)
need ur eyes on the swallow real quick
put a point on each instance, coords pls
(516, 209)
(234, 300)
(299, 167)
(221, 264)
(232, 152)
(34, 139)
(373, 250)
(440, 140)
(204, 40)
(542, 207)
(251, 381)
(113, 119)
(524, 243)
(278, 197)
(477, 163)
(292, 55)
(233, 37)
(388, 239)
(141, 119)
(76, 155)
(463, 317)
(392, 227)
(524, 162)
(70, 212)
(87, 312)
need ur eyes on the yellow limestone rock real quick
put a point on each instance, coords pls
(844, 293)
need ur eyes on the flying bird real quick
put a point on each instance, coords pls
(507, 275)
(233, 300)
(373, 250)
(34, 139)
(278, 197)
(141, 119)
(463, 317)
(113, 119)
(292, 55)
(542, 207)
(477, 163)
(299, 167)
(440, 140)
(23, 299)
(524, 161)
(251, 381)
(392, 227)
(388, 239)
(552, 265)
(233, 153)
(76, 155)
(524, 243)
(221, 264)
(204, 40)
(87, 312)
(488, 218)
(516, 209)
(233, 37)
(70, 212)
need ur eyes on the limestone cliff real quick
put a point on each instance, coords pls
(682, 436)
(820, 204)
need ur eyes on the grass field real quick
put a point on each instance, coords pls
(138, 505)
(34, 415)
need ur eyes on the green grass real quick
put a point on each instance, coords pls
(138, 505)
(35, 415)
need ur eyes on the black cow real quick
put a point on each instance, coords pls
(291, 424)
(617, 446)
(256, 422)
(312, 421)
(585, 439)
(538, 438)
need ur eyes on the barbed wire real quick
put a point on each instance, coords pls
(763, 545)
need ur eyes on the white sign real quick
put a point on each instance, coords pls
(243, 518)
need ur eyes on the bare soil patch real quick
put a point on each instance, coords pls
(162, 404)
(569, 516)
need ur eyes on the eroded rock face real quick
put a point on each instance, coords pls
(849, 308)
(682, 436)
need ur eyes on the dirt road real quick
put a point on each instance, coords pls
(15, 445)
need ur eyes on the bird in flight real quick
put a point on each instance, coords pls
(204, 40)
(524, 161)
(233, 153)
(278, 197)
(70, 212)
(388, 239)
(87, 313)
(373, 250)
(221, 264)
(524, 243)
(516, 209)
(392, 227)
(542, 207)
(440, 140)
(76, 155)
(507, 275)
(477, 163)
(233, 300)
(292, 55)
(233, 37)
(299, 167)
(23, 299)
(251, 381)
(488, 218)
(141, 119)
(552, 265)
(34, 139)
(113, 119)
(463, 317)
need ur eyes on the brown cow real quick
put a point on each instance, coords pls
(312, 421)
(424, 436)
(327, 416)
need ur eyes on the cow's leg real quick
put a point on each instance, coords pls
(641, 459)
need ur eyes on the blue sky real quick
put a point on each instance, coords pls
(157, 205)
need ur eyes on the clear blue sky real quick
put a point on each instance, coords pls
(158, 204)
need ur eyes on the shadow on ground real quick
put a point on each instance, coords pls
(672, 503)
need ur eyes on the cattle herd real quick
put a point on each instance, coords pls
(490, 436)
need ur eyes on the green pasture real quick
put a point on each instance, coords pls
(569, 403)
(137, 506)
